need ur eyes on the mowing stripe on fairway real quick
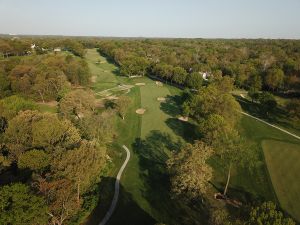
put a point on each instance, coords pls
(117, 189)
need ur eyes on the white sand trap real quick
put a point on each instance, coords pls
(242, 95)
(140, 84)
(182, 118)
(140, 111)
(158, 83)
(161, 99)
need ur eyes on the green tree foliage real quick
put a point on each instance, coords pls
(248, 62)
(19, 206)
(210, 100)
(255, 82)
(34, 160)
(11, 106)
(3, 124)
(293, 108)
(31, 129)
(274, 78)
(74, 46)
(179, 75)
(77, 104)
(268, 214)
(4, 84)
(50, 132)
(213, 127)
(134, 66)
(82, 165)
(254, 95)
(194, 80)
(189, 170)
(268, 102)
(122, 104)
(18, 135)
(99, 127)
(61, 198)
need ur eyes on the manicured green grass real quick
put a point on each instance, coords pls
(154, 118)
(105, 72)
(144, 193)
(283, 163)
(145, 187)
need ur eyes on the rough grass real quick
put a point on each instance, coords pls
(283, 163)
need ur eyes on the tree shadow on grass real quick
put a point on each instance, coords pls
(183, 129)
(172, 105)
(153, 153)
(127, 211)
(255, 109)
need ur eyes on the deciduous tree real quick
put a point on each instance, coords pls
(19, 206)
(189, 170)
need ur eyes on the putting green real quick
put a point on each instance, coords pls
(283, 164)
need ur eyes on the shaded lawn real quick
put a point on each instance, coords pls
(283, 163)
(279, 117)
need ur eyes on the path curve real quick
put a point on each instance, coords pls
(285, 131)
(117, 189)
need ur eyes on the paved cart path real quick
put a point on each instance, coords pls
(117, 189)
(285, 131)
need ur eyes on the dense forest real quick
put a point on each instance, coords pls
(258, 64)
(50, 163)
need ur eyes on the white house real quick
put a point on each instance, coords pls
(57, 50)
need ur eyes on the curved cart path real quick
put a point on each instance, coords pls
(285, 131)
(117, 189)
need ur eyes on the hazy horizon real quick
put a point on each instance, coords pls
(232, 19)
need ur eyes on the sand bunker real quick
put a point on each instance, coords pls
(140, 84)
(182, 118)
(140, 111)
(158, 83)
(161, 99)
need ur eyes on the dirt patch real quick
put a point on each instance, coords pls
(51, 103)
(93, 79)
(99, 103)
(140, 111)
(140, 84)
(182, 118)
(158, 83)
(161, 99)
(112, 97)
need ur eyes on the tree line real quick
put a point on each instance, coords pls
(42, 77)
(20, 46)
(272, 65)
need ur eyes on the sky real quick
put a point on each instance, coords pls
(153, 18)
